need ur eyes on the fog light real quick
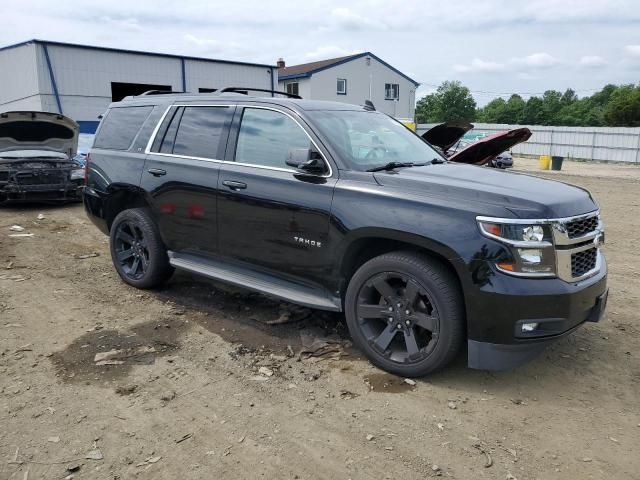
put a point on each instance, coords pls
(531, 255)
(529, 327)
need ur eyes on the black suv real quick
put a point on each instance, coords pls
(342, 208)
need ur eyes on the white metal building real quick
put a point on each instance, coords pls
(81, 80)
(353, 79)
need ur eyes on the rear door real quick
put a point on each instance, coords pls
(269, 214)
(181, 175)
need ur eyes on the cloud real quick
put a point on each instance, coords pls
(592, 61)
(536, 61)
(329, 51)
(212, 46)
(479, 65)
(632, 51)
(350, 20)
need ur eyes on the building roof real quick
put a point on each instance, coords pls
(305, 70)
(137, 52)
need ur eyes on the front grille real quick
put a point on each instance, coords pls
(582, 226)
(584, 261)
(41, 177)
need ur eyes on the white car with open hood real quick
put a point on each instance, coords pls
(37, 163)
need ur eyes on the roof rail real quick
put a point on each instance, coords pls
(157, 92)
(248, 89)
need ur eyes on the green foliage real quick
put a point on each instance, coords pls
(614, 105)
(452, 102)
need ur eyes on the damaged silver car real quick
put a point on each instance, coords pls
(37, 162)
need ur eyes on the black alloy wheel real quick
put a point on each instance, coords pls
(137, 250)
(405, 311)
(397, 317)
(131, 250)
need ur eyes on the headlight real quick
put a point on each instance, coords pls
(531, 246)
(77, 174)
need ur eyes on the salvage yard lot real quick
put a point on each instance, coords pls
(199, 380)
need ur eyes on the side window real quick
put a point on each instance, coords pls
(193, 131)
(266, 136)
(120, 127)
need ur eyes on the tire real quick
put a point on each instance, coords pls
(137, 251)
(405, 299)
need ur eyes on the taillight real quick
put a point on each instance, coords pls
(86, 168)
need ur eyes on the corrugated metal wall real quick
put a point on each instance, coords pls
(83, 77)
(615, 144)
(19, 89)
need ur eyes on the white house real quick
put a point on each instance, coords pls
(352, 79)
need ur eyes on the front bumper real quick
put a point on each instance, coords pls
(497, 311)
(48, 193)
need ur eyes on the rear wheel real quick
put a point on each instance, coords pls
(405, 312)
(137, 250)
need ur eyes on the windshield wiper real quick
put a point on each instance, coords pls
(392, 165)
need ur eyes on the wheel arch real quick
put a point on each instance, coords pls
(122, 197)
(364, 244)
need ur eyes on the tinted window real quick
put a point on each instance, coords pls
(163, 142)
(120, 127)
(266, 137)
(200, 131)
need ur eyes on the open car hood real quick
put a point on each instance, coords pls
(486, 149)
(42, 131)
(446, 134)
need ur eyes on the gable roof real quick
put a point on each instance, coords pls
(305, 70)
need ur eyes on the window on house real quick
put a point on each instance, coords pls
(292, 88)
(391, 91)
(342, 86)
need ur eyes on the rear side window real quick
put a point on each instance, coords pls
(120, 127)
(193, 132)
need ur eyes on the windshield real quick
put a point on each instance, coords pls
(367, 140)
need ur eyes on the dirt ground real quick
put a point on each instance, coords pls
(198, 380)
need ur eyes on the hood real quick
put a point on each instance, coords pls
(486, 149)
(446, 134)
(489, 191)
(42, 131)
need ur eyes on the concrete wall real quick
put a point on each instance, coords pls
(84, 75)
(615, 144)
(360, 76)
(19, 80)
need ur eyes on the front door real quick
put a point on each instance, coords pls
(269, 214)
(181, 173)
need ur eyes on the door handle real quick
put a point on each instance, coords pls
(233, 185)
(157, 172)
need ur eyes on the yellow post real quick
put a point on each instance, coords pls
(544, 162)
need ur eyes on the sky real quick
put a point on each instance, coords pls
(494, 47)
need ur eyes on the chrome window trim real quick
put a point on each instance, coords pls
(560, 239)
(148, 151)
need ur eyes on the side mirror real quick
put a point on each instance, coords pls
(305, 160)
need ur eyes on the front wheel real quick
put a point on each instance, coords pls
(405, 312)
(137, 251)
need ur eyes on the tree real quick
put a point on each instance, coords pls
(426, 109)
(452, 102)
(623, 108)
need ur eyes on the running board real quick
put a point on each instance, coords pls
(258, 281)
